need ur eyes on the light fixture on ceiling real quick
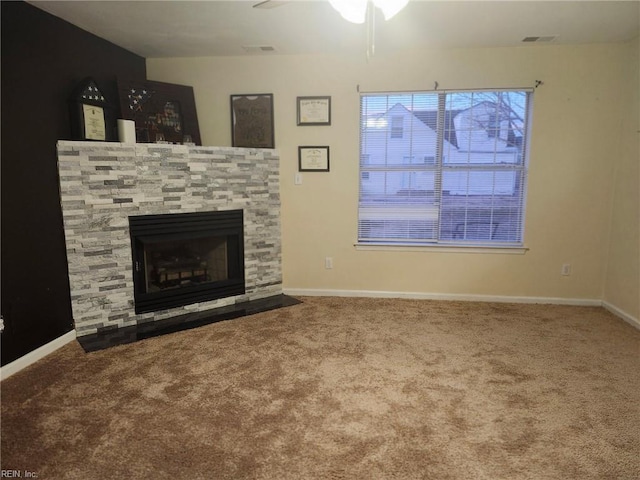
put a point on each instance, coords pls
(355, 11)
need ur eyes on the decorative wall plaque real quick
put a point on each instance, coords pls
(89, 112)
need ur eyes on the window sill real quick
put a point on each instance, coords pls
(502, 250)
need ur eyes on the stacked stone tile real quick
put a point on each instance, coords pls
(102, 184)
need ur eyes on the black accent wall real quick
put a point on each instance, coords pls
(43, 59)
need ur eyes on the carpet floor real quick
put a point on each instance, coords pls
(341, 388)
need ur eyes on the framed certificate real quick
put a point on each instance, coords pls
(314, 110)
(94, 126)
(313, 159)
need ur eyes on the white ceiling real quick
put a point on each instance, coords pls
(179, 28)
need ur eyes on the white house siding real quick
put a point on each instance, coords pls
(417, 146)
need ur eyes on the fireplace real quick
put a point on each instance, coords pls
(185, 258)
(104, 184)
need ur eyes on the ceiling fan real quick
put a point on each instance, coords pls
(354, 11)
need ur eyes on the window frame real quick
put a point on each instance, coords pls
(519, 168)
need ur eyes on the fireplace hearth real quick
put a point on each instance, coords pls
(119, 336)
(185, 258)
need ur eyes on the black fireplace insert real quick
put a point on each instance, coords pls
(185, 258)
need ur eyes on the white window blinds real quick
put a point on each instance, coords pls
(443, 167)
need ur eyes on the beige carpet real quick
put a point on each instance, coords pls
(340, 388)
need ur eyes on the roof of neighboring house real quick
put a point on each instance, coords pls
(430, 119)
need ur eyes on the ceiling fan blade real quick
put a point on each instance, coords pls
(270, 3)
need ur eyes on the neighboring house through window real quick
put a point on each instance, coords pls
(443, 167)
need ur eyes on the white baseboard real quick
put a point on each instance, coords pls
(38, 354)
(442, 296)
(631, 320)
(584, 302)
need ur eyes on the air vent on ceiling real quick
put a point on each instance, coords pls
(541, 39)
(258, 48)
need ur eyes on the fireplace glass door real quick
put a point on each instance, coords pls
(179, 259)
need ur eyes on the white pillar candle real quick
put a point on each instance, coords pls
(126, 131)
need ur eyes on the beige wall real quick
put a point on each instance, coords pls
(575, 147)
(622, 280)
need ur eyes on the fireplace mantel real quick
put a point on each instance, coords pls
(102, 184)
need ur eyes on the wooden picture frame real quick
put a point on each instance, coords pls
(313, 159)
(252, 120)
(161, 111)
(313, 111)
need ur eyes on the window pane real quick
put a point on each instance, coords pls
(398, 205)
(481, 205)
(484, 127)
(393, 128)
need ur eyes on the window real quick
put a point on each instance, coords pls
(443, 167)
(397, 126)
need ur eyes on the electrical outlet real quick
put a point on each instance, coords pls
(566, 269)
(328, 263)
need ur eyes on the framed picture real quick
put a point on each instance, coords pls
(313, 159)
(314, 110)
(91, 115)
(252, 121)
(162, 112)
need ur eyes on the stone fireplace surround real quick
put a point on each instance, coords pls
(102, 184)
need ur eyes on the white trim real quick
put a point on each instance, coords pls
(399, 247)
(310, 292)
(583, 302)
(37, 354)
(630, 319)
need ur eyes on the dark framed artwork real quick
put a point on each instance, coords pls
(313, 159)
(162, 112)
(314, 110)
(252, 121)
